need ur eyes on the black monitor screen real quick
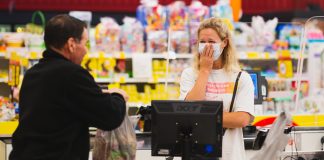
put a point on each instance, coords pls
(199, 121)
(256, 79)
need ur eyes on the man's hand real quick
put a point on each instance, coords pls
(116, 90)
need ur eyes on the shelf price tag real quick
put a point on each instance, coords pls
(122, 55)
(252, 55)
(122, 79)
(267, 55)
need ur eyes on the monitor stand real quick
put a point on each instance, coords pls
(186, 146)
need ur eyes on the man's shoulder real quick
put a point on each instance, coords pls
(58, 66)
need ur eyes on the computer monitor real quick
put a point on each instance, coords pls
(256, 78)
(190, 129)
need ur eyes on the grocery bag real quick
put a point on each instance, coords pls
(118, 144)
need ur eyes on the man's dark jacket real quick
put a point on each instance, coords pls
(59, 101)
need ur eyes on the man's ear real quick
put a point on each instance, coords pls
(70, 45)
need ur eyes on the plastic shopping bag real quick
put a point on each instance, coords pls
(118, 144)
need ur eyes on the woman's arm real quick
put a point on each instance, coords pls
(198, 92)
(236, 119)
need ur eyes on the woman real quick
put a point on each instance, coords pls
(213, 78)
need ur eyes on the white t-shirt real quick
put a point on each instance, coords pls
(220, 86)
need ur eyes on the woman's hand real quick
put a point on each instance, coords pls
(206, 59)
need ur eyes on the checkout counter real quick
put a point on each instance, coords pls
(308, 144)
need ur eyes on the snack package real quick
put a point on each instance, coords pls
(91, 65)
(178, 16)
(292, 35)
(106, 67)
(156, 41)
(7, 110)
(178, 23)
(222, 9)
(197, 13)
(118, 144)
(179, 41)
(260, 34)
(107, 35)
(177, 66)
(153, 18)
(132, 34)
(152, 15)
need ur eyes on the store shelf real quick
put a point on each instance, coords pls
(280, 94)
(262, 57)
(3, 80)
(303, 78)
(133, 80)
(119, 55)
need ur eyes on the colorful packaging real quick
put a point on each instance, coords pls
(106, 67)
(260, 34)
(91, 65)
(197, 13)
(107, 35)
(152, 15)
(178, 16)
(222, 9)
(178, 23)
(291, 34)
(322, 69)
(132, 34)
(156, 41)
(179, 41)
(153, 18)
(285, 66)
(7, 110)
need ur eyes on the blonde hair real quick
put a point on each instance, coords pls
(229, 58)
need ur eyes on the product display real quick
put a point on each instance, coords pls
(291, 35)
(259, 34)
(108, 35)
(7, 110)
(156, 41)
(178, 26)
(222, 9)
(149, 49)
(197, 12)
(132, 36)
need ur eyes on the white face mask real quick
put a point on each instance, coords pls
(216, 46)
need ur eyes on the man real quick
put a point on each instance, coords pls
(59, 100)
